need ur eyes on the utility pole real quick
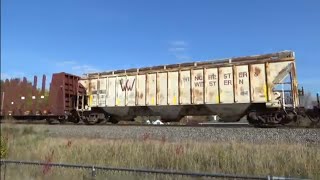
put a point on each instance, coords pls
(318, 101)
(2, 101)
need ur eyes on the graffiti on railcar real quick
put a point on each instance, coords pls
(226, 85)
(186, 79)
(242, 75)
(227, 79)
(127, 86)
(198, 80)
(212, 79)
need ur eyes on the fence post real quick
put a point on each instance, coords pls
(93, 173)
(5, 169)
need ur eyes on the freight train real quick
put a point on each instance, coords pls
(263, 88)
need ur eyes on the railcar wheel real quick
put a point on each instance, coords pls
(290, 117)
(74, 117)
(88, 121)
(254, 119)
(103, 120)
(62, 120)
(114, 120)
(314, 119)
(278, 118)
(51, 120)
(91, 119)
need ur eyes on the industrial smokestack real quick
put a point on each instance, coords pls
(35, 81)
(24, 80)
(43, 84)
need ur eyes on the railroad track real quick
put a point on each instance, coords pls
(173, 133)
(215, 124)
(153, 125)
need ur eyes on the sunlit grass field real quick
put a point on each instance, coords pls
(295, 160)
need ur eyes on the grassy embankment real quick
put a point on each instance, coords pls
(235, 157)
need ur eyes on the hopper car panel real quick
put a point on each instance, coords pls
(230, 88)
(252, 83)
(162, 89)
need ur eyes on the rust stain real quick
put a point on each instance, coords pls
(147, 85)
(158, 88)
(94, 84)
(253, 94)
(241, 90)
(259, 89)
(211, 95)
(198, 92)
(295, 90)
(257, 71)
(235, 77)
(89, 86)
(161, 98)
(198, 95)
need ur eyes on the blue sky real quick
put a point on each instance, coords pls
(42, 37)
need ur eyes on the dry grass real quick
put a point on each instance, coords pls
(233, 157)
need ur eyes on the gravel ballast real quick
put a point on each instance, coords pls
(204, 134)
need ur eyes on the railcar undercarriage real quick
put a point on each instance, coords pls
(303, 118)
(256, 116)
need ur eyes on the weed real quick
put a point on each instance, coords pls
(163, 139)
(48, 159)
(179, 150)
(69, 143)
(28, 130)
(4, 146)
(146, 136)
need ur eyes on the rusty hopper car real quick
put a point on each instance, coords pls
(262, 87)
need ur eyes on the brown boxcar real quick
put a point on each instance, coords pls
(22, 100)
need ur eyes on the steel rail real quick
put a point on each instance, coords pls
(148, 125)
(145, 171)
(200, 125)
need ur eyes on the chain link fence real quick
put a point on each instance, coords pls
(11, 169)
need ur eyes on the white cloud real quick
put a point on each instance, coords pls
(179, 50)
(179, 43)
(74, 67)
